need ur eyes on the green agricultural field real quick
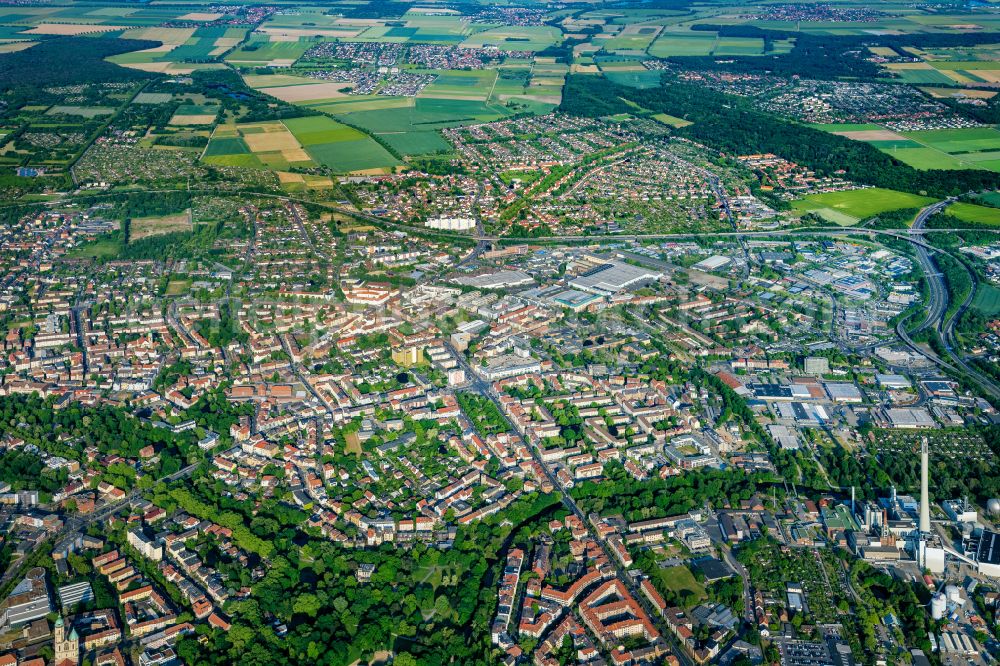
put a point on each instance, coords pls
(633, 38)
(969, 148)
(955, 65)
(987, 300)
(412, 130)
(338, 146)
(260, 51)
(845, 127)
(230, 151)
(852, 206)
(920, 157)
(516, 38)
(468, 85)
(316, 130)
(304, 17)
(637, 79)
(83, 111)
(350, 104)
(426, 114)
(417, 142)
(672, 44)
(739, 46)
(968, 140)
(975, 214)
(923, 76)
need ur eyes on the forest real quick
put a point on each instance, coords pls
(731, 125)
(636, 500)
(312, 589)
(817, 56)
(70, 60)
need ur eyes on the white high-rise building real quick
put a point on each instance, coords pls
(925, 502)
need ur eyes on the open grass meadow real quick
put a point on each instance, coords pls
(965, 148)
(973, 214)
(850, 207)
(144, 227)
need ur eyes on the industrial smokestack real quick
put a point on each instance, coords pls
(925, 502)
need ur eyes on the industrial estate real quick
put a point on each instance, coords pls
(603, 332)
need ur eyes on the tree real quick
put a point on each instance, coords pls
(307, 604)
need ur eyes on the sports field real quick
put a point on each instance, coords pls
(673, 121)
(851, 206)
(987, 300)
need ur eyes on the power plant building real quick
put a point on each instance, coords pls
(988, 554)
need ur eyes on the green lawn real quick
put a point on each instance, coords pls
(673, 121)
(845, 127)
(854, 205)
(681, 582)
(102, 248)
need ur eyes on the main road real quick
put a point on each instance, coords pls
(937, 308)
(937, 302)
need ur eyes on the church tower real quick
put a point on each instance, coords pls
(67, 647)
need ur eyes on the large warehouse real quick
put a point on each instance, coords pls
(614, 276)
